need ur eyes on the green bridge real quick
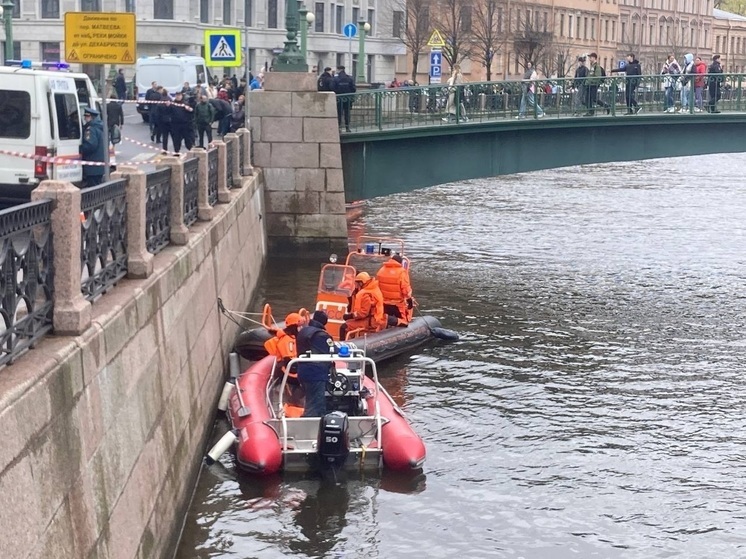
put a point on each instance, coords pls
(408, 138)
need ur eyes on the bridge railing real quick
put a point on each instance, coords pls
(68, 247)
(613, 95)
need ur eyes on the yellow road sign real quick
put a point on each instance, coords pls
(100, 38)
(223, 47)
(436, 40)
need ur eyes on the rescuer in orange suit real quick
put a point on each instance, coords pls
(282, 345)
(393, 279)
(367, 307)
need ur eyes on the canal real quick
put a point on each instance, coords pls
(594, 406)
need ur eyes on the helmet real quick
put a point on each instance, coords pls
(293, 319)
(363, 277)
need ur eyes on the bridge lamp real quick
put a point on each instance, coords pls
(6, 12)
(306, 19)
(364, 28)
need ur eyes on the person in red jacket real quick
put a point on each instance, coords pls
(393, 279)
(367, 307)
(700, 69)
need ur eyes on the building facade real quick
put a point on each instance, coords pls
(729, 32)
(168, 26)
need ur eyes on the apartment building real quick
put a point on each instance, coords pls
(168, 26)
(729, 32)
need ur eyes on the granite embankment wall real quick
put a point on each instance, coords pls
(101, 434)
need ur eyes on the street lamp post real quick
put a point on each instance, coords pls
(306, 19)
(7, 12)
(290, 59)
(363, 28)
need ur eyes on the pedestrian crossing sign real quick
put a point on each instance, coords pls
(223, 47)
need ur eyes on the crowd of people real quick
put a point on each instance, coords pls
(188, 118)
(377, 303)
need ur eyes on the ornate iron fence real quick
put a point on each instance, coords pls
(103, 253)
(27, 272)
(212, 177)
(191, 190)
(242, 155)
(612, 96)
(158, 210)
(229, 163)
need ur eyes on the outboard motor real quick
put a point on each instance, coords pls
(333, 444)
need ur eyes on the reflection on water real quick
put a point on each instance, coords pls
(594, 404)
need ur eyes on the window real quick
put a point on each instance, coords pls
(204, 11)
(651, 34)
(15, 111)
(90, 6)
(248, 13)
(398, 24)
(634, 33)
(606, 30)
(163, 9)
(705, 41)
(562, 25)
(577, 34)
(585, 28)
(227, 12)
(339, 19)
(518, 20)
(272, 14)
(372, 21)
(50, 9)
(593, 28)
(355, 16)
(68, 119)
(466, 19)
(613, 30)
(624, 31)
(545, 17)
(691, 37)
(50, 52)
(129, 6)
(319, 13)
(425, 18)
(499, 20)
(16, 51)
(569, 26)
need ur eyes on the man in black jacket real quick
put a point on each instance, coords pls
(182, 117)
(314, 376)
(152, 94)
(343, 84)
(633, 71)
(581, 88)
(114, 115)
(326, 80)
(714, 83)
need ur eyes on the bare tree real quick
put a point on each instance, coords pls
(455, 24)
(488, 36)
(411, 24)
(532, 44)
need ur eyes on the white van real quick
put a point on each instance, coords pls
(40, 115)
(169, 71)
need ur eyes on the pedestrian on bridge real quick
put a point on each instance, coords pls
(343, 85)
(715, 83)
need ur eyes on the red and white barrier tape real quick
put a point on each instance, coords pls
(71, 161)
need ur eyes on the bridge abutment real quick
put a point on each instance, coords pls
(297, 145)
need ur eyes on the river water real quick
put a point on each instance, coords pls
(594, 406)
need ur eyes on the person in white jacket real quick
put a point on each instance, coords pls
(456, 79)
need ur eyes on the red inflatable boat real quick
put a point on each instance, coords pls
(365, 429)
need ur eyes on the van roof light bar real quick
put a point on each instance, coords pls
(47, 65)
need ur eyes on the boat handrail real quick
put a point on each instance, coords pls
(355, 356)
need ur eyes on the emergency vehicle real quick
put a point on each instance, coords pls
(169, 71)
(41, 113)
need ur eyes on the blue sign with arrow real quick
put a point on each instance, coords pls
(436, 69)
(350, 30)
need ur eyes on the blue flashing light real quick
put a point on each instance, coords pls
(26, 64)
(344, 351)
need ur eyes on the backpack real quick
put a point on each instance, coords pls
(603, 72)
(115, 134)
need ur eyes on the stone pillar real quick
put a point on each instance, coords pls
(297, 146)
(179, 231)
(224, 194)
(244, 136)
(72, 312)
(204, 209)
(232, 144)
(139, 260)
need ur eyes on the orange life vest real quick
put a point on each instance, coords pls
(367, 308)
(282, 346)
(393, 280)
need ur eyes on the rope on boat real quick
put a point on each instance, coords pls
(232, 315)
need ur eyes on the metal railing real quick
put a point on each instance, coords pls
(103, 238)
(613, 96)
(27, 269)
(229, 163)
(191, 190)
(212, 177)
(158, 210)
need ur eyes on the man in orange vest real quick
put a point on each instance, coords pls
(393, 279)
(367, 307)
(282, 345)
